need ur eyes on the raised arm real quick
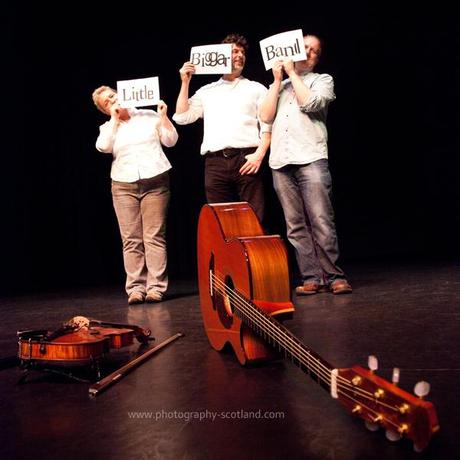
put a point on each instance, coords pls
(107, 131)
(268, 107)
(186, 72)
(302, 92)
(167, 131)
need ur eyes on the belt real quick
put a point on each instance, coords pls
(230, 152)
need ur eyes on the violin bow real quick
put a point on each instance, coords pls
(114, 377)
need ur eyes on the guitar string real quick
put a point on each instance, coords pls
(356, 390)
(320, 369)
(311, 363)
(373, 411)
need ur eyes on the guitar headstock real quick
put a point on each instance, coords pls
(383, 404)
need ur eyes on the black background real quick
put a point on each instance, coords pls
(393, 129)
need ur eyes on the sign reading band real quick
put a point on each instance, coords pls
(287, 45)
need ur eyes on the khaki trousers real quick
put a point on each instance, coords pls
(141, 208)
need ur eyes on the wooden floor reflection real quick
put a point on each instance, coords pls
(191, 402)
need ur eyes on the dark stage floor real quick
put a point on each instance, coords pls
(406, 315)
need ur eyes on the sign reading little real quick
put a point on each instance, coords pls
(139, 92)
(212, 59)
(287, 45)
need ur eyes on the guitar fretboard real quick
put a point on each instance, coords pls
(275, 334)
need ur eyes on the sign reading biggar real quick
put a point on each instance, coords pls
(212, 59)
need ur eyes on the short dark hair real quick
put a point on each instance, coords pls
(237, 39)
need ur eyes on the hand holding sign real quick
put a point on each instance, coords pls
(162, 108)
(287, 45)
(186, 71)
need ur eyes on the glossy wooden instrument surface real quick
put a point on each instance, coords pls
(77, 342)
(233, 251)
(244, 288)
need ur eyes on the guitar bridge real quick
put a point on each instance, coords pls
(211, 286)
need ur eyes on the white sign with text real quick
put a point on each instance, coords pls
(139, 92)
(212, 59)
(287, 45)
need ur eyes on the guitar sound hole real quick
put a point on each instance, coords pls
(223, 302)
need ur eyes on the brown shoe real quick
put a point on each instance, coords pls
(341, 287)
(154, 296)
(135, 297)
(307, 289)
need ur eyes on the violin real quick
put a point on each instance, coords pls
(78, 342)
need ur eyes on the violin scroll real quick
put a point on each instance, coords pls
(78, 322)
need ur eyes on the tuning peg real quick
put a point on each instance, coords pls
(373, 363)
(421, 389)
(392, 435)
(395, 375)
(371, 426)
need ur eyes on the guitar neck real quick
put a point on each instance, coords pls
(283, 341)
(360, 391)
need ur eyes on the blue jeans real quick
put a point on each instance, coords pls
(304, 192)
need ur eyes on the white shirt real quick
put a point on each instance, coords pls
(230, 111)
(299, 134)
(136, 146)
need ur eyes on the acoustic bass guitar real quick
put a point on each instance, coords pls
(245, 294)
